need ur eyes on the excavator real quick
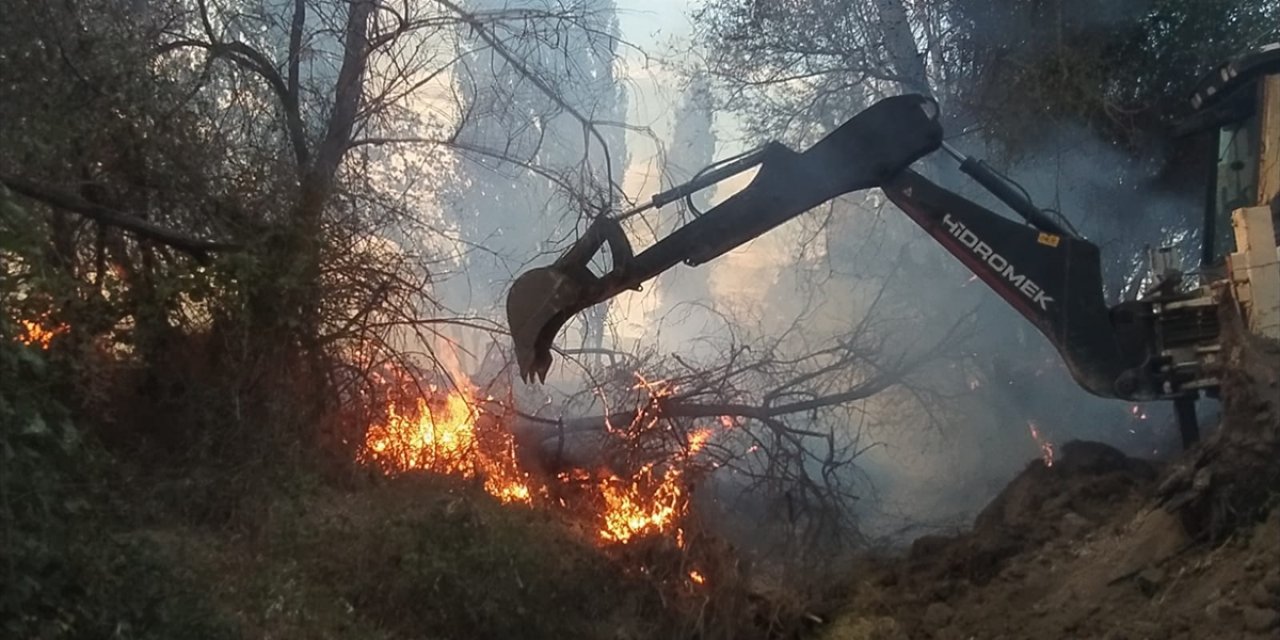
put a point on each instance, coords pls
(1163, 345)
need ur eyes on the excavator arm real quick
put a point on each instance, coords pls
(1051, 277)
(867, 151)
(1040, 267)
(1164, 345)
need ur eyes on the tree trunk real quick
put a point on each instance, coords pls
(900, 44)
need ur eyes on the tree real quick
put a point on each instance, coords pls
(1120, 70)
(216, 178)
(529, 193)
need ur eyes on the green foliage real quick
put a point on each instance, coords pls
(64, 575)
(27, 281)
(110, 589)
(40, 456)
(1121, 69)
(424, 560)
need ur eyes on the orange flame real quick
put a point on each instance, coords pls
(637, 508)
(444, 439)
(650, 503)
(697, 577)
(450, 435)
(34, 333)
(698, 440)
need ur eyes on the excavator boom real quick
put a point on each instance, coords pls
(867, 151)
(1052, 278)
(1042, 268)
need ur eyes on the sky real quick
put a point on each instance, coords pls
(650, 22)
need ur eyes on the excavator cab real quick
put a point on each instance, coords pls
(1238, 106)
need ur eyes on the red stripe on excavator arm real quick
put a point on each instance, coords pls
(934, 228)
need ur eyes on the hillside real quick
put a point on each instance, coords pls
(1104, 546)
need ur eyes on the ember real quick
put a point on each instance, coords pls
(1046, 447)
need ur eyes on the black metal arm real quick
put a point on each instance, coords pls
(865, 152)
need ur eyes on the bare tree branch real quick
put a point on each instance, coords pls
(589, 126)
(67, 201)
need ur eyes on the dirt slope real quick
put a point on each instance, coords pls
(1105, 546)
(1071, 552)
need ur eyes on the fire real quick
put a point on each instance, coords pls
(1046, 447)
(35, 334)
(649, 503)
(445, 439)
(637, 507)
(698, 439)
(450, 434)
(652, 501)
(697, 577)
(439, 440)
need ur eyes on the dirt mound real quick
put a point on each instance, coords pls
(1057, 555)
(1087, 484)
(1104, 546)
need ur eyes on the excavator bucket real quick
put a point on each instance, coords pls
(536, 309)
(542, 300)
(866, 151)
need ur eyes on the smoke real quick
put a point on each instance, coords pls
(939, 446)
(1011, 377)
(935, 464)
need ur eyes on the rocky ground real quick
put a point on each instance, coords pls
(1072, 552)
(1104, 546)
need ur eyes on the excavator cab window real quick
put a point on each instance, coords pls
(1235, 184)
(1235, 102)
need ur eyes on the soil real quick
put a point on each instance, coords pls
(1104, 546)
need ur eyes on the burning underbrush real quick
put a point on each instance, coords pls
(638, 490)
(631, 510)
(447, 434)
